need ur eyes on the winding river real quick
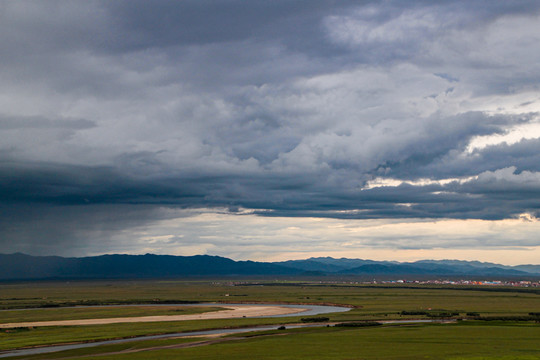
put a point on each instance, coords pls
(308, 310)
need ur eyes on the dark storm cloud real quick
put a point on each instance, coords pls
(523, 154)
(282, 107)
(48, 229)
(493, 195)
(76, 185)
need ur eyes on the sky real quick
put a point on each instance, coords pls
(271, 130)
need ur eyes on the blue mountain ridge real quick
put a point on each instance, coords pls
(22, 267)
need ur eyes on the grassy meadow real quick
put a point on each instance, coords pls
(467, 339)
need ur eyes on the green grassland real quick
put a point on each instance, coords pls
(421, 341)
(411, 342)
(114, 349)
(373, 299)
(19, 338)
(465, 339)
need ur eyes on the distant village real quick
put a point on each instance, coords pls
(464, 282)
(518, 283)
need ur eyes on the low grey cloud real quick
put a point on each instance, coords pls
(280, 108)
(36, 122)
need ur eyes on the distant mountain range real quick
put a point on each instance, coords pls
(25, 267)
(344, 266)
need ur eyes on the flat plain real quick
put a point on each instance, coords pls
(488, 322)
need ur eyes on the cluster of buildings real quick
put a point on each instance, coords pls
(515, 283)
(518, 283)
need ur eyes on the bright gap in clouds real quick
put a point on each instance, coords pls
(252, 237)
(388, 182)
(512, 136)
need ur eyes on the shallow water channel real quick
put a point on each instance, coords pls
(310, 310)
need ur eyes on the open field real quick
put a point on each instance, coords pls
(411, 342)
(466, 339)
(427, 341)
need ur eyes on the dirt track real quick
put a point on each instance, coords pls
(232, 311)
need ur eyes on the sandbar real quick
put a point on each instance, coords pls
(231, 312)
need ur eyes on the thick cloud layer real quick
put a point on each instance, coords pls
(347, 110)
